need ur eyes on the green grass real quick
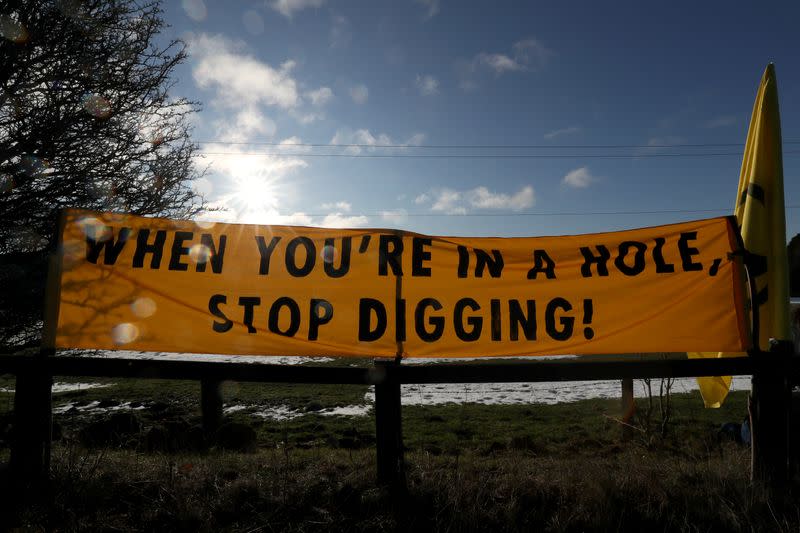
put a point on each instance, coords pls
(187, 393)
(450, 428)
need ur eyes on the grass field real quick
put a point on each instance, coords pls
(470, 467)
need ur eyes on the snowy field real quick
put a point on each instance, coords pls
(427, 394)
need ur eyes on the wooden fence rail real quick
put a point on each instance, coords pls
(33, 406)
(505, 372)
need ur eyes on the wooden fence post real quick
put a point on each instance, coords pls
(388, 425)
(628, 408)
(33, 392)
(30, 449)
(769, 415)
(211, 405)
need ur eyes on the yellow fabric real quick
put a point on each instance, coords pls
(163, 285)
(760, 214)
(712, 388)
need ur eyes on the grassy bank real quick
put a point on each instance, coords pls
(630, 489)
(469, 468)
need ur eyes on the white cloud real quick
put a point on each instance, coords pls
(152, 123)
(236, 164)
(482, 198)
(244, 126)
(337, 220)
(203, 186)
(238, 79)
(367, 139)
(320, 97)
(247, 188)
(431, 7)
(499, 63)
(447, 201)
(295, 219)
(563, 131)
(239, 206)
(531, 54)
(293, 145)
(451, 201)
(359, 94)
(415, 140)
(304, 117)
(341, 206)
(395, 216)
(298, 218)
(427, 85)
(288, 7)
(528, 55)
(580, 178)
(242, 85)
(333, 220)
(361, 137)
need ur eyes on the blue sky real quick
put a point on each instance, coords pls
(453, 78)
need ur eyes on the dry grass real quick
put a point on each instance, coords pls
(469, 468)
(616, 489)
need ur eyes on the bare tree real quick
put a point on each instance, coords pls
(86, 120)
(645, 416)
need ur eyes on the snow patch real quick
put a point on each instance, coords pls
(93, 407)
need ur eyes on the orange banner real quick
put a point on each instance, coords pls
(152, 284)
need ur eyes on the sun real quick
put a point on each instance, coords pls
(255, 194)
(254, 189)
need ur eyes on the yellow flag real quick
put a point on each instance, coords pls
(760, 214)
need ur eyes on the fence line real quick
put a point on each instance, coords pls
(33, 395)
(516, 372)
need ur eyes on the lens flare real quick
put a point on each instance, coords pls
(230, 388)
(6, 183)
(144, 307)
(204, 224)
(101, 189)
(200, 253)
(253, 22)
(33, 166)
(70, 8)
(27, 237)
(13, 30)
(97, 106)
(125, 333)
(74, 253)
(157, 139)
(195, 9)
(94, 229)
(328, 253)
